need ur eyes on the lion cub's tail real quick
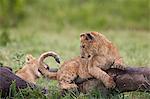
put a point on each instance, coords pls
(44, 71)
(50, 53)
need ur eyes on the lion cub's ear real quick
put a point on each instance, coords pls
(29, 58)
(94, 33)
(90, 36)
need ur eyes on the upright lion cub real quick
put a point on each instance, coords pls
(100, 51)
(101, 55)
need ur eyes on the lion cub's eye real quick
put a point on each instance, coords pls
(83, 46)
(89, 56)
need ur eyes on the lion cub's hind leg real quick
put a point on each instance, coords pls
(67, 74)
(66, 80)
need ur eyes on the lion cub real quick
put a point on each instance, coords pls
(30, 72)
(97, 54)
(101, 55)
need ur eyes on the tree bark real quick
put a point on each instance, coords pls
(131, 79)
(6, 79)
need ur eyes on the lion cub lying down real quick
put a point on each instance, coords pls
(30, 72)
(97, 54)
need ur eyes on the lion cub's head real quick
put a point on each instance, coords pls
(93, 43)
(32, 64)
(30, 69)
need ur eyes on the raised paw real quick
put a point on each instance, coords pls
(119, 66)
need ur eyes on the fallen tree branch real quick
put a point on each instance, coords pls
(131, 79)
(6, 79)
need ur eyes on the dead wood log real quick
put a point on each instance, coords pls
(131, 79)
(6, 79)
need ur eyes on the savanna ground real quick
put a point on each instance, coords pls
(36, 26)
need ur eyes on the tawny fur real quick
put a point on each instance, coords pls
(101, 55)
(97, 54)
(51, 75)
(29, 72)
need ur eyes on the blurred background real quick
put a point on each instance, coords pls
(35, 26)
(91, 14)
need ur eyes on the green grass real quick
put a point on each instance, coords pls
(97, 14)
(133, 45)
(36, 26)
(92, 14)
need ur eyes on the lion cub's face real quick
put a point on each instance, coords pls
(93, 43)
(88, 45)
(31, 66)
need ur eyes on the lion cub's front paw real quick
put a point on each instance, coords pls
(110, 83)
(122, 67)
(119, 66)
